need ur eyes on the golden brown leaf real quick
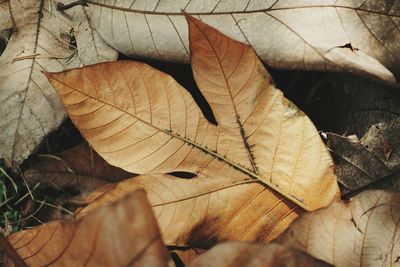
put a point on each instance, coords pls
(203, 211)
(124, 233)
(262, 130)
(240, 254)
(143, 121)
(363, 232)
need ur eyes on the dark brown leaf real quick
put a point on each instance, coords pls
(122, 234)
(79, 169)
(240, 254)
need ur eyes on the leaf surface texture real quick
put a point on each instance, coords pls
(362, 232)
(43, 39)
(358, 36)
(141, 120)
(124, 233)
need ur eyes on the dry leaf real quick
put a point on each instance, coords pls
(362, 232)
(364, 162)
(43, 39)
(240, 254)
(202, 211)
(358, 36)
(124, 233)
(79, 168)
(357, 167)
(5, 18)
(143, 121)
(371, 112)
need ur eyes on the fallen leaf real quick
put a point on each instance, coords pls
(143, 121)
(366, 115)
(354, 36)
(5, 17)
(202, 211)
(79, 168)
(71, 176)
(361, 232)
(43, 39)
(7, 249)
(241, 254)
(356, 167)
(364, 162)
(124, 233)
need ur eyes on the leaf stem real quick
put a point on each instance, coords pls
(61, 6)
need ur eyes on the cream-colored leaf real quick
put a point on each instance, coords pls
(121, 234)
(143, 121)
(202, 211)
(240, 254)
(43, 39)
(5, 15)
(362, 232)
(360, 36)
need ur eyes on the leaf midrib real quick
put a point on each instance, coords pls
(29, 76)
(244, 170)
(238, 122)
(149, 12)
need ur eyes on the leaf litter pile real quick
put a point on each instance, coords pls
(233, 175)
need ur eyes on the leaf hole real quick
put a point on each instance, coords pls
(184, 175)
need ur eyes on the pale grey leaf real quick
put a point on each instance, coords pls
(43, 39)
(332, 35)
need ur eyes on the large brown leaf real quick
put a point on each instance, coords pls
(362, 232)
(124, 233)
(240, 254)
(203, 211)
(143, 121)
(43, 39)
(360, 36)
(79, 168)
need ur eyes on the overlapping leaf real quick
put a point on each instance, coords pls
(79, 168)
(5, 17)
(363, 163)
(143, 121)
(362, 232)
(368, 115)
(237, 254)
(124, 234)
(43, 39)
(360, 36)
(204, 210)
